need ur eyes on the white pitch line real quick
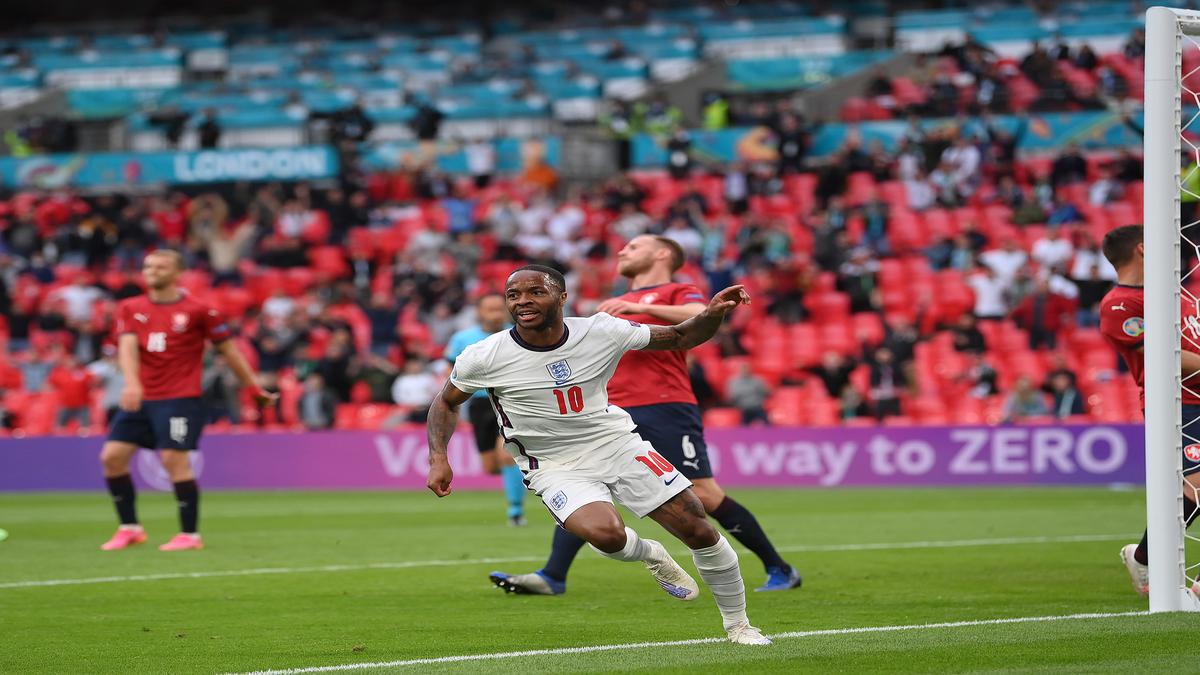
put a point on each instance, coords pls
(684, 643)
(880, 546)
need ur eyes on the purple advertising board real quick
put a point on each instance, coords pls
(756, 456)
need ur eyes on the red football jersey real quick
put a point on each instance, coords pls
(171, 342)
(649, 377)
(1122, 321)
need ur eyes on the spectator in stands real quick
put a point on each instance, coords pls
(875, 214)
(1069, 167)
(36, 366)
(79, 298)
(1107, 187)
(737, 188)
(910, 160)
(880, 163)
(856, 278)
(888, 380)
(415, 389)
(334, 365)
(1066, 398)
(834, 372)
(980, 376)
(990, 289)
(679, 154)
(1038, 65)
(1006, 260)
(1009, 193)
(1054, 249)
(219, 387)
(901, 339)
(73, 383)
(1024, 401)
(460, 211)
(426, 122)
(540, 175)
(967, 336)
(964, 161)
(318, 407)
(851, 404)
(107, 375)
(1043, 313)
(792, 141)
(748, 393)
(1093, 275)
(354, 125)
(208, 130)
(1135, 47)
(173, 122)
(1002, 144)
(481, 161)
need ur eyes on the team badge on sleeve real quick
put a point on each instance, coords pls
(1134, 326)
(560, 371)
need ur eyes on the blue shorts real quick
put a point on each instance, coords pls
(676, 430)
(1191, 438)
(167, 424)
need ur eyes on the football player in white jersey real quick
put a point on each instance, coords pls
(547, 381)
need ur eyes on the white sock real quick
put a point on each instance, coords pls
(718, 566)
(132, 528)
(636, 549)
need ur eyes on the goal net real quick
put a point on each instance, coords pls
(1172, 297)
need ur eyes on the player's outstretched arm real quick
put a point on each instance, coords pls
(700, 328)
(443, 418)
(245, 374)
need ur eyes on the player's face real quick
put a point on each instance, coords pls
(159, 271)
(533, 301)
(492, 313)
(637, 257)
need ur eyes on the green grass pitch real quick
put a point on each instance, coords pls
(300, 580)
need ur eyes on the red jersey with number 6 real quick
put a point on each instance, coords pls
(171, 338)
(1123, 324)
(650, 377)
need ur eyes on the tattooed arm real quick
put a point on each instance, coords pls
(700, 328)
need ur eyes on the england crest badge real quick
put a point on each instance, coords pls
(560, 371)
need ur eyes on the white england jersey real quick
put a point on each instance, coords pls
(552, 402)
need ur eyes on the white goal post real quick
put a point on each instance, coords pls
(1168, 33)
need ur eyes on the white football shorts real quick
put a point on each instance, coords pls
(636, 477)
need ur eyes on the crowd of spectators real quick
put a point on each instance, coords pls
(346, 294)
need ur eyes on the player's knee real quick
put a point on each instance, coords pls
(114, 459)
(710, 495)
(609, 537)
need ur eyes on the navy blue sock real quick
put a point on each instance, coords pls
(1190, 511)
(739, 522)
(563, 548)
(188, 496)
(123, 496)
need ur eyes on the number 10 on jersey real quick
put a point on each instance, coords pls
(573, 397)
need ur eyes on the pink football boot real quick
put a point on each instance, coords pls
(183, 542)
(125, 536)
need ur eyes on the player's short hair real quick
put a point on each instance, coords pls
(171, 253)
(678, 257)
(556, 277)
(1119, 244)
